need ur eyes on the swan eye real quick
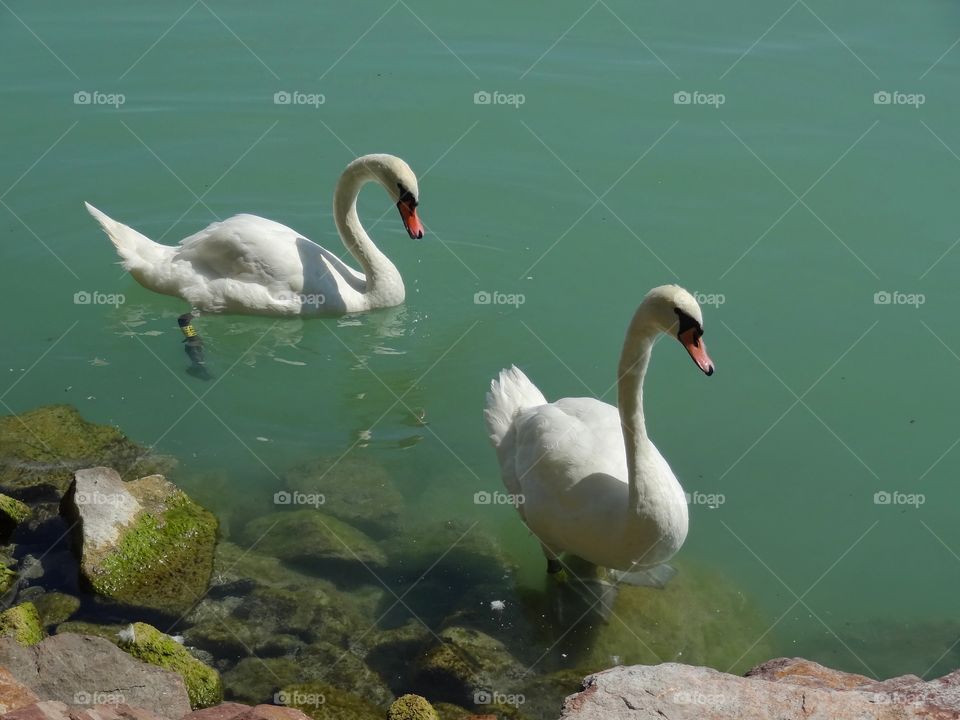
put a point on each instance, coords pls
(406, 197)
(686, 323)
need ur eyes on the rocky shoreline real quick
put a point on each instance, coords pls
(124, 597)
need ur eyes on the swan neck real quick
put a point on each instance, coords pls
(631, 373)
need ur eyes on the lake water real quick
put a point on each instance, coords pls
(739, 149)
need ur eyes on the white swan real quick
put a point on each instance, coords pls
(592, 483)
(247, 264)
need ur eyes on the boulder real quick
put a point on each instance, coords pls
(148, 644)
(412, 707)
(21, 623)
(54, 710)
(786, 689)
(13, 693)
(56, 608)
(354, 489)
(12, 514)
(80, 670)
(322, 542)
(142, 543)
(236, 711)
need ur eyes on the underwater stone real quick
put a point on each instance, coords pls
(412, 707)
(159, 556)
(148, 644)
(355, 490)
(324, 702)
(22, 623)
(56, 607)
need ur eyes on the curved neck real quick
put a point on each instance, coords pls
(631, 372)
(379, 271)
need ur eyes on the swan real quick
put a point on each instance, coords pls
(251, 265)
(585, 476)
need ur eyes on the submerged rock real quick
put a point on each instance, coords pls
(786, 689)
(40, 450)
(324, 702)
(316, 540)
(79, 627)
(356, 490)
(142, 543)
(148, 644)
(56, 607)
(412, 707)
(22, 624)
(78, 670)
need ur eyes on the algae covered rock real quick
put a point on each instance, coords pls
(324, 702)
(148, 644)
(314, 539)
(22, 623)
(142, 543)
(79, 627)
(41, 449)
(12, 514)
(56, 607)
(354, 489)
(412, 707)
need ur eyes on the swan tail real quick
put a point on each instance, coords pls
(509, 393)
(136, 251)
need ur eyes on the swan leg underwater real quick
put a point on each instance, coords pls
(593, 484)
(248, 264)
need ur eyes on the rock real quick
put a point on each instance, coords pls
(392, 652)
(356, 490)
(324, 702)
(13, 693)
(235, 711)
(148, 644)
(73, 668)
(466, 663)
(412, 707)
(41, 449)
(53, 710)
(786, 689)
(323, 542)
(142, 543)
(446, 711)
(22, 624)
(107, 632)
(56, 608)
(12, 513)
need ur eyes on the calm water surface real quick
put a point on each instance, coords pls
(793, 198)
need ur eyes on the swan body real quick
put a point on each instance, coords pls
(589, 480)
(248, 264)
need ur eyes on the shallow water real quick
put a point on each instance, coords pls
(795, 202)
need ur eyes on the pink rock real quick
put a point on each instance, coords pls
(13, 693)
(47, 710)
(236, 711)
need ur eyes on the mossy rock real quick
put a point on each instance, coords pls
(412, 707)
(80, 627)
(354, 489)
(22, 623)
(8, 578)
(12, 514)
(41, 449)
(324, 702)
(257, 680)
(321, 542)
(148, 644)
(161, 560)
(56, 608)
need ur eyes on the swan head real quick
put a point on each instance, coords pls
(401, 184)
(676, 312)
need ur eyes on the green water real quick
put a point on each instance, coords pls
(700, 195)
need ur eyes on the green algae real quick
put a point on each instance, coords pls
(22, 623)
(412, 707)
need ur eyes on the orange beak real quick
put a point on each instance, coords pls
(698, 351)
(408, 213)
